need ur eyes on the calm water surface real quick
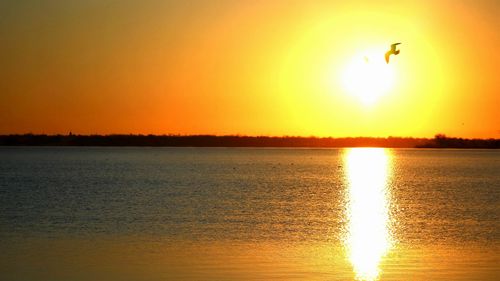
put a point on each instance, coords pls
(249, 214)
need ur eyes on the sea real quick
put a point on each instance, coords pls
(149, 213)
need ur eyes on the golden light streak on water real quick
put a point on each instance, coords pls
(368, 237)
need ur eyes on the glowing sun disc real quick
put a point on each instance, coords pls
(368, 77)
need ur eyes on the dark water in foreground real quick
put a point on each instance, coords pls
(249, 214)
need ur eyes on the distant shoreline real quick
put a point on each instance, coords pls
(439, 141)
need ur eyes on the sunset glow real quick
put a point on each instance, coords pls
(282, 140)
(251, 68)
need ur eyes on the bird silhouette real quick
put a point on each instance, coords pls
(392, 51)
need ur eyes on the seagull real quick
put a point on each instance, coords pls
(392, 51)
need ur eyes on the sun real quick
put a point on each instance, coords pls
(368, 77)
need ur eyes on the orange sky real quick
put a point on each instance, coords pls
(247, 67)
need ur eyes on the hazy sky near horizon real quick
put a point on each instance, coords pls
(248, 67)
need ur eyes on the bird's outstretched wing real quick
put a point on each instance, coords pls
(393, 47)
(387, 56)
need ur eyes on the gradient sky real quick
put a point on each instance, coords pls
(246, 67)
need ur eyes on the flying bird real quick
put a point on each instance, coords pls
(392, 51)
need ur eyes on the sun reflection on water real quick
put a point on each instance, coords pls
(368, 237)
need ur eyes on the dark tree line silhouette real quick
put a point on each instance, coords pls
(204, 141)
(439, 141)
(442, 141)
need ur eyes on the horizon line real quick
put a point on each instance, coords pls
(243, 136)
